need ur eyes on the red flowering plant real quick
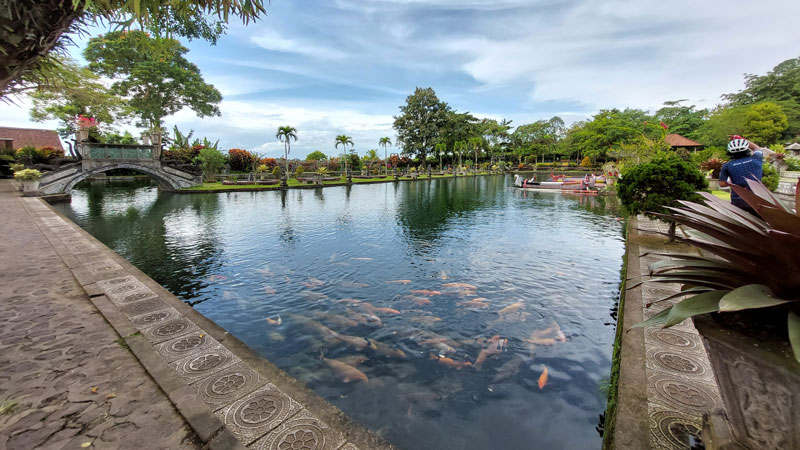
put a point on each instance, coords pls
(84, 122)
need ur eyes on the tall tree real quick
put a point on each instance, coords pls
(32, 29)
(385, 142)
(681, 119)
(78, 92)
(420, 122)
(152, 74)
(344, 141)
(285, 134)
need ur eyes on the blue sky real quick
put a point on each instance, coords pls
(345, 66)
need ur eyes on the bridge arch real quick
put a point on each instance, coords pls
(163, 180)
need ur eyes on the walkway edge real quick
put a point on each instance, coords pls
(200, 417)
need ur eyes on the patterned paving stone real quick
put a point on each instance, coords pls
(169, 330)
(683, 395)
(259, 412)
(102, 266)
(186, 345)
(677, 340)
(670, 429)
(153, 318)
(204, 363)
(676, 363)
(133, 296)
(349, 446)
(226, 386)
(303, 431)
(142, 306)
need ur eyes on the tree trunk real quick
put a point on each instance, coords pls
(671, 232)
(29, 30)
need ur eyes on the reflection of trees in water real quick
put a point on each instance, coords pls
(141, 234)
(426, 208)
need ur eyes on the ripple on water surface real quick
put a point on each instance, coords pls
(462, 313)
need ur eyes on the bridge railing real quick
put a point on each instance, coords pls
(119, 151)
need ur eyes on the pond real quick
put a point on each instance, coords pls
(443, 314)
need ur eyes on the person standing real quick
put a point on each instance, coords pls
(747, 162)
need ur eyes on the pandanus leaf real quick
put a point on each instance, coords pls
(781, 220)
(751, 296)
(704, 303)
(694, 281)
(690, 291)
(733, 211)
(667, 265)
(794, 334)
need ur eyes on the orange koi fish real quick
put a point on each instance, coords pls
(543, 378)
(277, 321)
(459, 286)
(345, 371)
(450, 362)
(426, 292)
(399, 282)
(511, 308)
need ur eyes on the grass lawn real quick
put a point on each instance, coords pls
(722, 194)
(293, 182)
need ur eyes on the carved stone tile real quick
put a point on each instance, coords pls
(132, 296)
(671, 429)
(114, 282)
(142, 306)
(102, 266)
(186, 345)
(675, 339)
(204, 363)
(303, 431)
(684, 365)
(224, 387)
(259, 412)
(151, 319)
(683, 395)
(169, 329)
(348, 446)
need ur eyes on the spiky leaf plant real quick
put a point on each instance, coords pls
(746, 263)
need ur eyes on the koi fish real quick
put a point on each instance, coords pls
(322, 329)
(466, 293)
(365, 318)
(314, 283)
(496, 346)
(386, 350)
(359, 343)
(313, 296)
(425, 320)
(543, 378)
(548, 336)
(373, 309)
(277, 321)
(475, 303)
(450, 362)
(361, 259)
(443, 275)
(264, 270)
(519, 316)
(215, 278)
(511, 308)
(352, 360)
(351, 301)
(275, 336)
(460, 286)
(354, 285)
(419, 301)
(399, 282)
(426, 292)
(345, 371)
(508, 370)
(337, 320)
(269, 290)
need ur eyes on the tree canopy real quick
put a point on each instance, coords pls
(152, 74)
(316, 156)
(681, 119)
(419, 123)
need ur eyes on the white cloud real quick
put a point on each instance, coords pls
(270, 39)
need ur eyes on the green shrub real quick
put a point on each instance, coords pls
(299, 172)
(276, 172)
(652, 186)
(793, 164)
(28, 155)
(48, 153)
(770, 177)
(698, 157)
(210, 161)
(586, 162)
(16, 167)
(27, 174)
(713, 165)
(240, 160)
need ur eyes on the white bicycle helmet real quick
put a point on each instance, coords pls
(738, 147)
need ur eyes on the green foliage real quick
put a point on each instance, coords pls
(586, 162)
(29, 155)
(27, 174)
(607, 130)
(793, 164)
(316, 156)
(152, 74)
(721, 124)
(16, 167)
(211, 161)
(240, 160)
(700, 156)
(539, 138)
(652, 186)
(299, 171)
(680, 119)
(750, 264)
(770, 177)
(420, 122)
(765, 123)
(276, 171)
(638, 151)
(116, 138)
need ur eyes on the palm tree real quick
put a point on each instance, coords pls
(385, 142)
(344, 141)
(285, 134)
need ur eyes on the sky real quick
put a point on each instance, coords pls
(345, 66)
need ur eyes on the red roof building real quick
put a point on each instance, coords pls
(677, 141)
(14, 138)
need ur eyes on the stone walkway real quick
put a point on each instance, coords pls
(228, 395)
(71, 377)
(677, 375)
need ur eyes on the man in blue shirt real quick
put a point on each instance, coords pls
(747, 160)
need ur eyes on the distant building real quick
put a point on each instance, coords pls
(677, 141)
(14, 138)
(794, 149)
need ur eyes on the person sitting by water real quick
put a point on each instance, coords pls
(533, 179)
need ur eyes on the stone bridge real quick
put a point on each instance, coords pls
(100, 158)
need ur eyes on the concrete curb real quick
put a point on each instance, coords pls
(201, 418)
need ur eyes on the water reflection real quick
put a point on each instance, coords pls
(415, 285)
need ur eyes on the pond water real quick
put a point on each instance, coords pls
(466, 291)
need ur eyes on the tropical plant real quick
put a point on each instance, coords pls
(713, 165)
(240, 160)
(27, 174)
(385, 142)
(661, 183)
(770, 177)
(344, 141)
(210, 161)
(299, 171)
(322, 170)
(276, 171)
(316, 156)
(586, 162)
(16, 167)
(29, 155)
(792, 164)
(285, 134)
(748, 262)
